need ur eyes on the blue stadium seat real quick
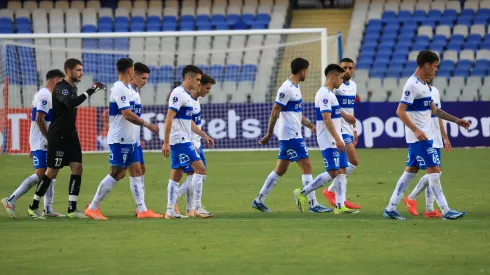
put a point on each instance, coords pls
(481, 73)
(187, 27)
(464, 64)
(371, 39)
(232, 72)
(122, 27)
(419, 16)
(422, 39)
(187, 19)
(482, 64)
(405, 40)
(454, 46)
(217, 19)
(409, 26)
(467, 13)
(394, 27)
(202, 19)
(155, 75)
(404, 15)
(436, 48)
(446, 74)
(217, 72)
(434, 16)
(366, 59)
(450, 14)
(166, 73)
(481, 21)
(429, 24)
(461, 72)
(363, 65)
(170, 19)
(232, 19)
(389, 37)
(447, 21)
(465, 21)
(248, 18)
(377, 73)
(248, 72)
(258, 26)
(263, 18)
(369, 46)
(407, 34)
(6, 25)
(399, 58)
(154, 20)
(457, 38)
(121, 44)
(383, 55)
(136, 27)
(446, 64)
(402, 47)
(222, 27)
(385, 48)
(485, 45)
(470, 46)
(204, 27)
(389, 17)
(474, 39)
(240, 25)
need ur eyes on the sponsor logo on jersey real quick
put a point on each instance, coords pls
(175, 99)
(282, 95)
(60, 153)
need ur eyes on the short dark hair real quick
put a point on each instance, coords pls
(425, 57)
(205, 79)
(346, 59)
(141, 68)
(191, 69)
(54, 73)
(71, 63)
(124, 64)
(299, 64)
(333, 68)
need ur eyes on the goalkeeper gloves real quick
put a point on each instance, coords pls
(95, 88)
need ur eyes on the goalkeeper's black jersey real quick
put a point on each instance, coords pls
(65, 101)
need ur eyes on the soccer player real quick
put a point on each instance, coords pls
(63, 143)
(439, 135)
(122, 141)
(194, 207)
(329, 138)
(346, 96)
(41, 118)
(415, 109)
(287, 107)
(178, 141)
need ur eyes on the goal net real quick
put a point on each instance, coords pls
(248, 66)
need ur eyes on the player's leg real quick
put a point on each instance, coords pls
(283, 161)
(307, 178)
(75, 162)
(430, 212)
(173, 185)
(199, 168)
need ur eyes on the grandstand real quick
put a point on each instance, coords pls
(246, 71)
(393, 32)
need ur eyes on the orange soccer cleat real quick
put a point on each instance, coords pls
(411, 205)
(330, 196)
(435, 214)
(94, 214)
(148, 214)
(350, 205)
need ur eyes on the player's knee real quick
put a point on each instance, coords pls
(118, 173)
(52, 173)
(143, 170)
(200, 170)
(40, 172)
(354, 162)
(77, 169)
(333, 173)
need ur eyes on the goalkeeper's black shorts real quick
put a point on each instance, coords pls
(63, 150)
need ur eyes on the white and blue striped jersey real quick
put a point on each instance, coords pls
(120, 130)
(196, 117)
(290, 98)
(137, 110)
(181, 101)
(326, 101)
(436, 98)
(346, 96)
(42, 103)
(416, 94)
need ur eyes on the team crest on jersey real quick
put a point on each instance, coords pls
(64, 92)
(336, 154)
(184, 158)
(292, 154)
(325, 101)
(421, 161)
(282, 95)
(407, 93)
(123, 98)
(44, 102)
(124, 150)
(175, 99)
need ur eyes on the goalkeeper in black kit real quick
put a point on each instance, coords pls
(63, 142)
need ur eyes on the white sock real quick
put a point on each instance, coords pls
(269, 183)
(331, 187)
(423, 183)
(318, 182)
(103, 190)
(197, 190)
(137, 188)
(436, 188)
(340, 190)
(344, 196)
(350, 168)
(27, 184)
(184, 187)
(306, 179)
(429, 200)
(49, 197)
(172, 194)
(400, 188)
(189, 195)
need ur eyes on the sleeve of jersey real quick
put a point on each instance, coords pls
(121, 98)
(325, 103)
(42, 104)
(174, 102)
(408, 95)
(62, 94)
(283, 96)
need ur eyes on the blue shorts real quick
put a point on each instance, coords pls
(422, 155)
(138, 150)
(122, 155)
(347, 138)
(182, 155)
(189, 169)
(331, 159)
(293, 149)
(39, 159)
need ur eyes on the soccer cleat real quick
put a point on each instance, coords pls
(350, 205)
(301, 200)
(203, 213)
(320, 209)
(394, 215)
(53, 214)
(93, 214)
(330, 196)
(172, 215)
(432, 214)
(260, 206)
(9, 207)
(411, 205)
(35, 214)
(148, 214)
(345, 210)
(453, 215)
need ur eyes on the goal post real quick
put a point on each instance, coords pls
(248, 65)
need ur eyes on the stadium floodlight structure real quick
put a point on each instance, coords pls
(248, 65)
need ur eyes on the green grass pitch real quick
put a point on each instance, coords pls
(240, 240)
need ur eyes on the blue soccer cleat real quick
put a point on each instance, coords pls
(453, 215)
(320, 209)
(394, 215)
(260, 206)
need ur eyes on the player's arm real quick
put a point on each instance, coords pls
(401, 112)
(276, 110)
(349, 118)
(446, 116)
(445, 138)
(133, 118)
(307, 123)
(201, 133)
(41, 124)
(75, 102)
(327, 120)
(171, 113)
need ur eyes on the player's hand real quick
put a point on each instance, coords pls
(349, 118)
(209, 141)
(153, 128)
(463, 123)
(265, 139)
(97, 86)
(30, 155)
(340, 145)
(356, 139)
(166, 149)
(419, 134)
(447, 145)
(313, 130)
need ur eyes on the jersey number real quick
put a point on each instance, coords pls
(57, 162)
(435, 158)
(337, 162)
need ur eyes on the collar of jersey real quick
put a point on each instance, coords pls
(347, 83)
(293, 83)
(129, 85)
(423, 82)
(327, 88)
